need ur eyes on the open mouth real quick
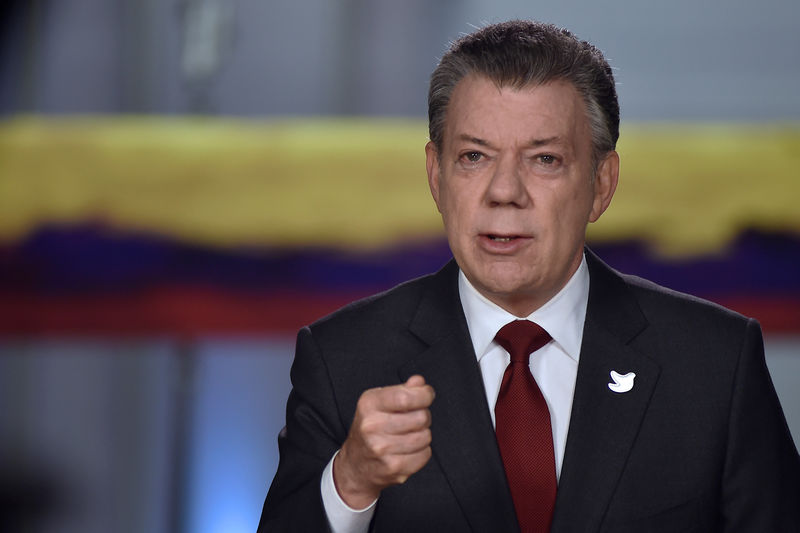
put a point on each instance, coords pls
(498, 238)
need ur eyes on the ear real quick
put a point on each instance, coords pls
(432, 165)
(605, 183)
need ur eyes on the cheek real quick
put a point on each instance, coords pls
(580, 204)
(457, 211)
(568, 217)
(452, 218)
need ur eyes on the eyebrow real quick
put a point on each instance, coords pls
(472, 139)
(541, 142)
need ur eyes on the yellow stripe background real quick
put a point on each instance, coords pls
(685, 188)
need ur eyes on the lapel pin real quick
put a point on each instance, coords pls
(622, 382)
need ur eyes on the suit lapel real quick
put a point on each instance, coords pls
(468, 458)
(603, 423)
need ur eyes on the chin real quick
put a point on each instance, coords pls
(506, 285)
(509, 273)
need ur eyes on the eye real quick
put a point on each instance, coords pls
(472, 156)
(547, 159)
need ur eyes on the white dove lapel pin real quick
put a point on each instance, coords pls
(622, 382)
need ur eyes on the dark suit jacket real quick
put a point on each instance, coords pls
(699, 444)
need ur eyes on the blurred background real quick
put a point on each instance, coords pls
(185, 183)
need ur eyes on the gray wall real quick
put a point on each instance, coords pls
(716, 59)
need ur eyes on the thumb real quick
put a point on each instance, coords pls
(415, 381)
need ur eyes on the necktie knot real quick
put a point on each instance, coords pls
(521, 338)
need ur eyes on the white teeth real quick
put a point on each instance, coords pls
(501, 239)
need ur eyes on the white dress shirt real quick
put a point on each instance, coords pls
(554, 367)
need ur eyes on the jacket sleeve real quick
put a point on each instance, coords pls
(313, 433)
(761, 478)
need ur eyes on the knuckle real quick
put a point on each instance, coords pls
(367, 441)
(429, 393)
(390, 463)
(420, 440)
(424, 455)
(423, 418)
(402, 399)
(380, 449)
(365, 402)
(370, 425)
(427, 437)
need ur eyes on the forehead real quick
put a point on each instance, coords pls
(481, 108)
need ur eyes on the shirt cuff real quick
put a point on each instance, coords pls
(341, 517)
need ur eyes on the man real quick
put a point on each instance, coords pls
(650, 410)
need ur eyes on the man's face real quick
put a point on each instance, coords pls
(513, 183)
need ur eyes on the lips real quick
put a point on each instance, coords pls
(503, 243)
(499, 238)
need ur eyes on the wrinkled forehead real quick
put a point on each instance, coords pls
(481, 106)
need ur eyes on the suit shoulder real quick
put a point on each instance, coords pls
(659, 301)
(684, 331)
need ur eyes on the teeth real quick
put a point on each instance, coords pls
(501, 239)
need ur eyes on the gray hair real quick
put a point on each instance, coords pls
(521, 54)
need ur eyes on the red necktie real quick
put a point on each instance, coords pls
(523, 429)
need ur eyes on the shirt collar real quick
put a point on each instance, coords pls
(562, 316)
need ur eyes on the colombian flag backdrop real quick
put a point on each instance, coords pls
(142, 226)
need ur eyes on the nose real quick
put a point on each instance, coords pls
(506, 186)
